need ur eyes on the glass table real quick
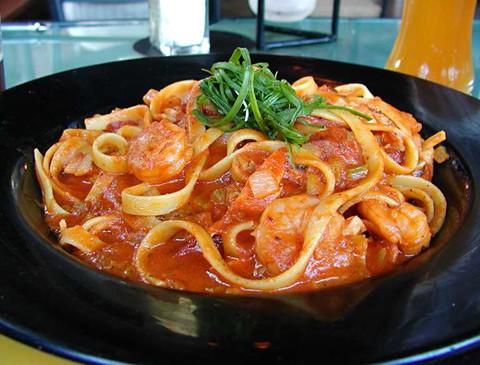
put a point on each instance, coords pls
(35, 50)
(39, 49)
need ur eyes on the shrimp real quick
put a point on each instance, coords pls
(279, 236)
(405, 225)
(159, 152)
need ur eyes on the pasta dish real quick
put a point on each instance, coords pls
(244, 183)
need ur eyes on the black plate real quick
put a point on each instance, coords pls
(52, 301)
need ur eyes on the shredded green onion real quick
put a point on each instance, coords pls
(357, 172)
(246, 95)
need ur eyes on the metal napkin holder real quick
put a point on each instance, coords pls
(305, 37)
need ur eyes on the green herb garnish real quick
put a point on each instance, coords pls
(246, 95)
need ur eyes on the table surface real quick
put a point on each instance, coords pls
(39, 49)
(33, 50)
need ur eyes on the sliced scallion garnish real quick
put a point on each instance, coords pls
(246, 95)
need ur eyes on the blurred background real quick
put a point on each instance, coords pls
(24, 10)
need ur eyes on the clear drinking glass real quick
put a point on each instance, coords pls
(179, 27)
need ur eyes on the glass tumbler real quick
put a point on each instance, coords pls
(434, 42)
(179, 27)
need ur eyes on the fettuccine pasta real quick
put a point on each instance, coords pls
(176, 192)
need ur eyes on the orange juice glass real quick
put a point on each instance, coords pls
(434, 42)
